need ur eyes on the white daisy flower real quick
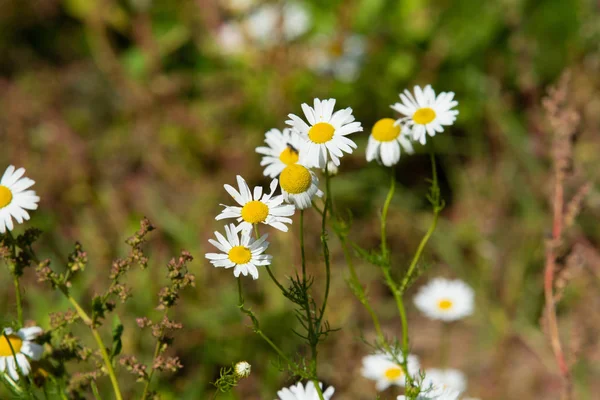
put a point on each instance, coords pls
(242, 369)
(299, 392)
(445, 379)
(244, 253)
(257, 207)
(425, 113)
(299, 185)
(386, 372)
(447, 300)
(283, 148)
(435, 394)
(15, 350)
(326, 131)
(15, 199)
(385, 141)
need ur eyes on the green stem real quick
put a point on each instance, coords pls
(88, 321)
(328, 207)
(360, 293)
(95, 391)
(384, 213)
(319, 391)
(438, 205)
(18, 299)
(256, 325)
(147, 385)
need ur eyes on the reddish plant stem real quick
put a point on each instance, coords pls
(550, 267)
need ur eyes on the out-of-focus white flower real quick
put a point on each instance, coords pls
(435, 394)
(386, 372)
(341, 58)
(300, 392)
(326, 132)
(242, 369)
(386, 142)
(445, 379)
(447, 300)
(291, 19)
(230, 38)
(16, 348)
(425, 113)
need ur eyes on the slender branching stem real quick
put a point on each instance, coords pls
(156, 353)
(256, 325)
(384, 213)
(18, 299)
(105, 357)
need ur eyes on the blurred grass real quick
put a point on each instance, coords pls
(120, 109)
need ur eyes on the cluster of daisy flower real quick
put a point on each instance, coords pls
(441, 299)
(317, 141)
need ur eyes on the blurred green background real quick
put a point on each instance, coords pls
(123, 109)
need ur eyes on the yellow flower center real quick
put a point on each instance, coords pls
(445, 304)
(289, 156)
(423, 116)
(295, 179)
(13, 341)
(385, 131)
(255, 212)
(6, 196)
(240, 255)
(321, 132)
(393, 373)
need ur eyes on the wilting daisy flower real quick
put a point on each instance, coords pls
(244, 253)
(444, 299)
(15, 199)
(299, 185)
(15, 350)
(242, 369)
(332, 169)
(260, 208)
(445, 379)
(425, 113)
(299, 392)
(386, 372)
(436, 394)
(326, 131)
(283, 149)
(263, 24)
(385, 141)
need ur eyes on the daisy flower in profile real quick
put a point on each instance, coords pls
(387, 141)
(386, 372)
(425, 113)
(257, 207)
(326, 131)
(15, 198)
(245, 253)
(447, 300)
(435, 394)
(242, 369)
(283, 149)
(300, 392)
(299, 185)
(16, 348)
(445, 379)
